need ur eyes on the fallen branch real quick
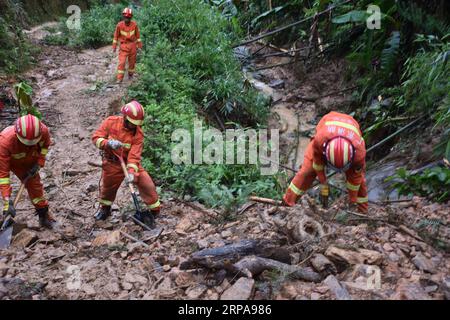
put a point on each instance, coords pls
(274, 66)
(94, 164)
(266, 201)
(126, 235)
(252, 266)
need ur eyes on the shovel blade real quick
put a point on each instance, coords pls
(5, 237)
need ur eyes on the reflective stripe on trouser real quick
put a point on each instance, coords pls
(127, 51)
(34, 187)
(363, 200)
(112, 178)
(303, 179)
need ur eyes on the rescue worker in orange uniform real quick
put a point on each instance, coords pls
(23, 148)
(123, 135)
(127, 33)
(338, 144)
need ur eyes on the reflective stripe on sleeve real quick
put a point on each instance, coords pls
(44, 151)
(19, 155)
(132, 165)
(317, 167)
(5, 181)
(99, 141)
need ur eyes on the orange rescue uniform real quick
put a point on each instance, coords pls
(113, 128)
(130, 39)
(330, 126)
(19, 158)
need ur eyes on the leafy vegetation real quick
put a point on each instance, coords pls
(96, 26)
(16, 53)
(401, 69)
(188, 68)
(433, 183)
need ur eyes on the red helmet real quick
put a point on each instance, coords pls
(28, 130)
(339, 153)
(134, 112)
(127, 12)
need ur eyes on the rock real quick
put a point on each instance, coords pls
(184, 279)
(226, 234)
(289, 291)
(387, 247)
(354, 257)
(173, 261)
(196, 291)
(240, 290)
(410, 291)
(202, 244)
(336, 288)
(112, 287)
(88, 289)
(107, 238)
(135, 278)
(321, 264)
(277, 84)
(315, 296)
(127, 286)
(165, 288)
(185, 225)
(166, 268)
(423, 264)
(24, 238)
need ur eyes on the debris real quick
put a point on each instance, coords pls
(354, 257)
(410, 291)
(24, 238)
(252, 266)
(424, 264)
(336, 287)
(107, 238)
(217, 258)
(321, 264)
(242, 289)
(88, 289)
(196, 291)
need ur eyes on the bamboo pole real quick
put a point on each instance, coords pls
(264, 35)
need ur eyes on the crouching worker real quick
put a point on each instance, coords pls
(339, 145)
(23, 148)
(123, 136)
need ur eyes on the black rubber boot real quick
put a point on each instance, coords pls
(103, 213)
(45, 220)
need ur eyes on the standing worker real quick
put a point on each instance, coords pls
(123, 135)
(338, 144)
(23, 148)
(127, 33)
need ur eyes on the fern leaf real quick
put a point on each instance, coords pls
(390, 52)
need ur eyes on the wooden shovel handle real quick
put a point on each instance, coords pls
(19, 194)
(125, 172)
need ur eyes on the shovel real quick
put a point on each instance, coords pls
(143, 218)
(6, 230)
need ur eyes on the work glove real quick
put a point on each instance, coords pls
(353, 207)
(324, 194)
(35, 169)
(8, 211)
(114, 144)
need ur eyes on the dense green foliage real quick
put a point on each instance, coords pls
(16, 53)
(188, 68)
(97, 26)
(433, 183)
(401, 69)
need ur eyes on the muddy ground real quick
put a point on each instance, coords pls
(394, 254)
